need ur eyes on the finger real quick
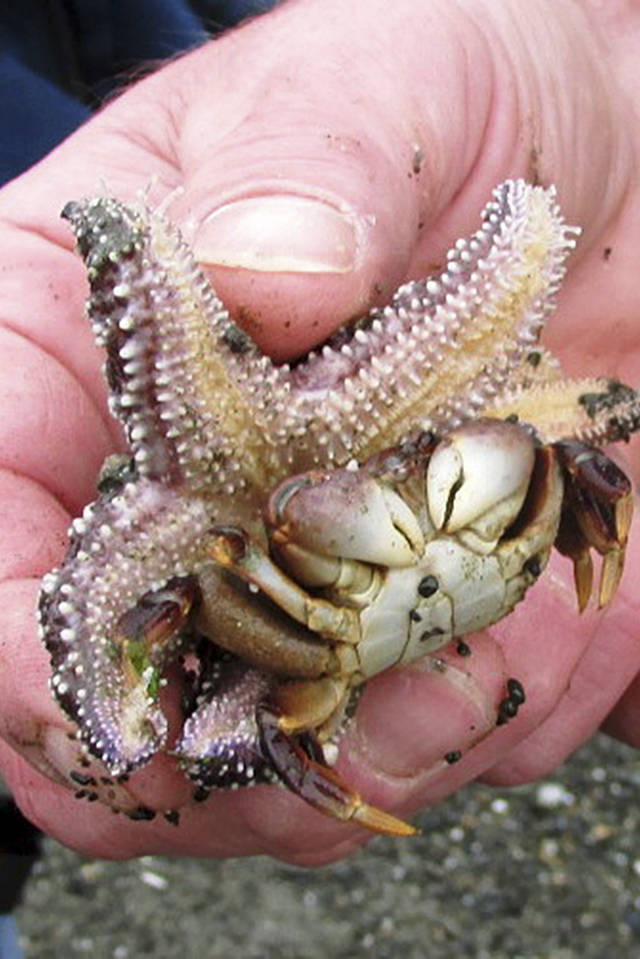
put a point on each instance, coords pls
(610, 659)
(43, 294)
(50, 431)
(624, 720)
(602, 688)
(349, 209)
(600, 678)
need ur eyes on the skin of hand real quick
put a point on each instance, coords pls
(382, 129)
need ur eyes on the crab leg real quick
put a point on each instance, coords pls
(597, 512)
(158, 617)
(317, 783)
(233, 549)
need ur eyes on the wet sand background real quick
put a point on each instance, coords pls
(548, 871)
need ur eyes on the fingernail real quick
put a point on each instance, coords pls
(278, 234)
(62, 752)
(42, 746)
(49, 749)
(58, 756)
(446, 720)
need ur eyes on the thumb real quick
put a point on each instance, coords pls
(326, 151)
(308, 183)
(348, 148)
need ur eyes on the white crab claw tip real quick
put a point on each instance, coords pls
(480, 471)
(444, 478)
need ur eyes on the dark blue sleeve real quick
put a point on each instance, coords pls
(60, 59)
(35, 115)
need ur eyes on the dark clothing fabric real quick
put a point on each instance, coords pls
(59, 59)
(19, 848)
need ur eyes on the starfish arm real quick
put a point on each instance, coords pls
(592, 410)
(219, 745)
(185, 381)
(105, 677)
(445, 345)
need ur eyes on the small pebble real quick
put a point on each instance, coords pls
(153, 879)
(552, 795)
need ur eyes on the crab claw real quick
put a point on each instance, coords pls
(597, 512)
(478, 477)
(317, 519)
(305, 772)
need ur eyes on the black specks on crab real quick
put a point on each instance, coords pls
(533, 567)
(427, 586)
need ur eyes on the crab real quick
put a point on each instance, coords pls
(288, 533)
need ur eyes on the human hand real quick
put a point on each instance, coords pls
(317, 100)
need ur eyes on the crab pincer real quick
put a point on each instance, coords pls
(596, 513)
(301, 766)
